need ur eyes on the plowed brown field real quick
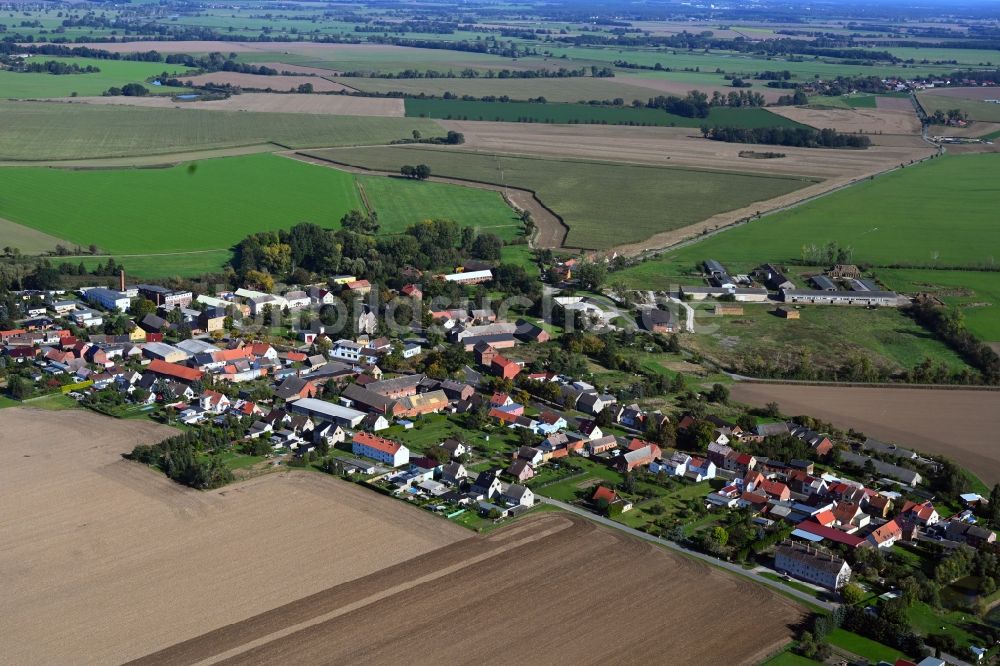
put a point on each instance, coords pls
(530, 593)
(958, 424)
(105, 560)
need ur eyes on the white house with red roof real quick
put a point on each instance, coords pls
(379, 448)
(923, 514)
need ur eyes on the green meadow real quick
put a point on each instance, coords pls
(113, 73)
(604, 204)
(938, 213)
(182, 220)
(588, 114)
(975, 293)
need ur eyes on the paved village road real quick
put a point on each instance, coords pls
(733, 568)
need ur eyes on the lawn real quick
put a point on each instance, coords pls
(113, 73)
(587, 114)
(824, 337)
(8, 402)
(35, 131)
(638, 200)
(976, 293)
(793, 584)
(154, 220)
(941, 212)
(863, 647)
(961, 625)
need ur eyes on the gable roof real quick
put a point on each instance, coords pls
(181, 372)
(377, 443)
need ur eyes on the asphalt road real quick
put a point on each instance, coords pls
(729, 566)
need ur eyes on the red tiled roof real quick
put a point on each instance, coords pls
(376, 442)
(744, 458)
(359, 284)
(224, 355)
(173, 370)
(605, 493)
(295, 357)
(886, 532)
(506, 417)
(774, 488)
(825, 517)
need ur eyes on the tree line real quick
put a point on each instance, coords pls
(801, 137)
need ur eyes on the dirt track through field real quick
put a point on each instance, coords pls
(958, 424)
(528, 593)
(551, 230)
(105, 560)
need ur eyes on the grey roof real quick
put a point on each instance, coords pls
(823, 282)
(368, 399)
(326, 410)
(842, 295)
(515, 491)
(810, 556)
(887, 449)
(713, 266)
(195, 347)
(395, 384)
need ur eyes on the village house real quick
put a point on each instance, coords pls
(381, 449)
(638, 458)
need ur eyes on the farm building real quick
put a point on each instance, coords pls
(659, 321)
(823, 283)
(741, 294)
(848, 271)
(320, 410)
(470, 277)
(787, 313)
(862, 298)
(772, 276)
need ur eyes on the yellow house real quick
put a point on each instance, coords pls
(344, 279)
(136, 334)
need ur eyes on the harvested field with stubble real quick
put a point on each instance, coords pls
(263, 82)
(334, 105)
(533, 580)
(666, 146)
(870, 121)
(664, 86)
(106, 560)
(911, 418)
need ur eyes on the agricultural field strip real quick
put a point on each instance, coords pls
(42, 131)
(339, 105)
(674, 147)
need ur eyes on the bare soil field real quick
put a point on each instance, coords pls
(261, 82)
(334, 105)
(678, 147)
(528, 593)
(976, 93)
(105, 560)
(28, 240)
(870, 121)
(681, 88)
(884, 103)
(956, 423)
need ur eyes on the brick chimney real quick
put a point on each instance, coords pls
(121, 280)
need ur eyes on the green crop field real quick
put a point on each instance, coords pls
(57, 131)
(941, 212)
(593, 197)
(401, 203)
(976, 293)
(961, 56)
(575, 89)
(976, 109)
(113, 73)
(584, 113)
(825, 335)
(397, 59)
(183, 220)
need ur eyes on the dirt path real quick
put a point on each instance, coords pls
(551, 231)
